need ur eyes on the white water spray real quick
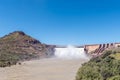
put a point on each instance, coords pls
(70, 52)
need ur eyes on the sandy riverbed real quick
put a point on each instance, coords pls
(45, 69)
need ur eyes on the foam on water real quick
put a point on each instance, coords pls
(70, 52)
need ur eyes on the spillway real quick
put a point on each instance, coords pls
(70, 52)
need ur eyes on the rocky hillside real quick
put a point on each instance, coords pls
(22, 47)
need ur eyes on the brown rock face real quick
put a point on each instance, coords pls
(20, 43)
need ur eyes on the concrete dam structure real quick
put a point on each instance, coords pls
(77, 51)
(99, 48)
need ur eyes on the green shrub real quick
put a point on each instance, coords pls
(105, 67)
(114, 78)
(87, 73)
(7, 59)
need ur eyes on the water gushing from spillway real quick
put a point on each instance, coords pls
(70, 52)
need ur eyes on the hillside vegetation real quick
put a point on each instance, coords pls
(104, 67)
(18, 46)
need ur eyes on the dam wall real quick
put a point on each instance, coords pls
(97, 49)
(90, 48)
(94, 49)
(117, 44)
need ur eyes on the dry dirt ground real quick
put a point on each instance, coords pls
(44, 69)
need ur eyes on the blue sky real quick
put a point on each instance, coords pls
(63, 22)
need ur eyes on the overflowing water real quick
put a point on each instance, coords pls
(70, 52)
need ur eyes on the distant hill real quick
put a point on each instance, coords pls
(22, 47)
